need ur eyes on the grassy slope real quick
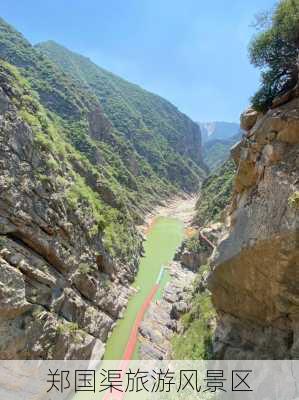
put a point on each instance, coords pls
(216, 151)
(162, 135)
(215, 194)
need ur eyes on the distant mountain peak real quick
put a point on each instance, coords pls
(218, 130)
(217, 138)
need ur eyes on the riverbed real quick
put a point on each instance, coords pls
(162, 239)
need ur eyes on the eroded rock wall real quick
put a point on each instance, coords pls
(255, 278)
(60, 291)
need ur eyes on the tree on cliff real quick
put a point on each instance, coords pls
(275, 50)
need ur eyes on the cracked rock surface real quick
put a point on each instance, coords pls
(60, 292)
(255, 279)
(162, 318)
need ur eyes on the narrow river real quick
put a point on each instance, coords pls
(163, 238)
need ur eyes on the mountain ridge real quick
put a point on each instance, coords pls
(147, 111)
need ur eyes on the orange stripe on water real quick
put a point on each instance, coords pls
(129, 351)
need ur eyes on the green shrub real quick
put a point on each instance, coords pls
(67, 327)
(43, 178)
(215, 194)
(79, 192)
(84, 268)
(294, 200)
(3, 241)
(275, 50)
(195, 343)
(193, 245)
(52, 163)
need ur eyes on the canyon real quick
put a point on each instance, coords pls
(108, 190)
(82, 164)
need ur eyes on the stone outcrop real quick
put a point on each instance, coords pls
(162, 319)
(255, 277)
(60, 291)
(193, 258)
(188, 258)
(248, 119)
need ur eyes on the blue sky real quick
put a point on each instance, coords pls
(192, 52)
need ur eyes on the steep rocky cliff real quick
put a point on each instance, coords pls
(255, 278)
(60, 291)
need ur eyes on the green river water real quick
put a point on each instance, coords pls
(162, 240)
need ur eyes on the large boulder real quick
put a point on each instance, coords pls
(248, 119)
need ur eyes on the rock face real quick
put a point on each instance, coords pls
(60, 292)
(255, 279)
(162, 318)
(192, 258)
(188, 258)
(248, 119)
